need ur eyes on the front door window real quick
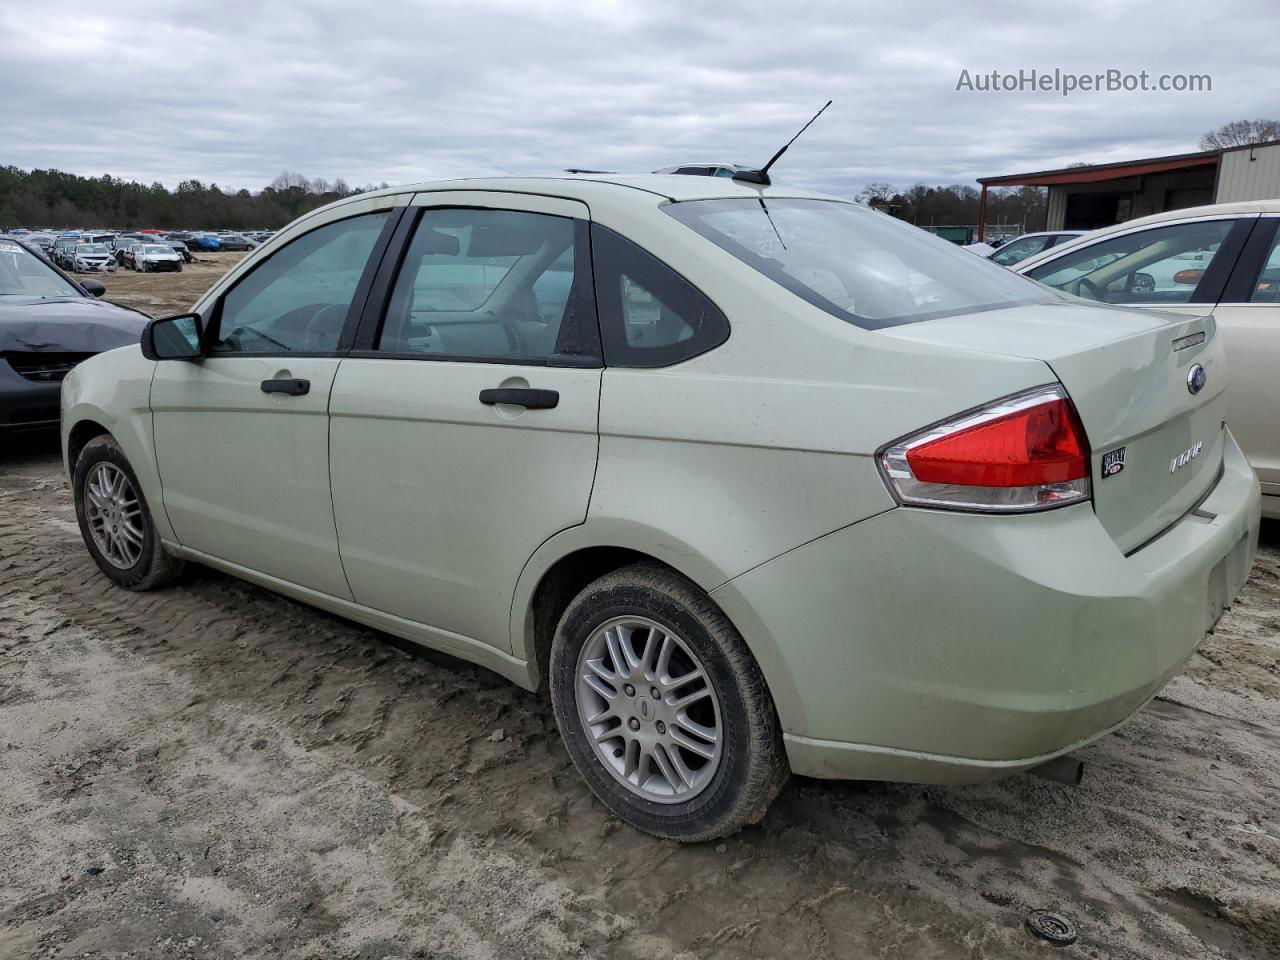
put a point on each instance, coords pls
(297, 300)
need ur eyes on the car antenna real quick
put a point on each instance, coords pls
(761, 176)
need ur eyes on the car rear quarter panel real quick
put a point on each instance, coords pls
(113, 389)
(721, 463)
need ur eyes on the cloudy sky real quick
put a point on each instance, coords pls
(235, 91)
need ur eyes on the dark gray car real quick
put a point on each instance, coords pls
(48, 324)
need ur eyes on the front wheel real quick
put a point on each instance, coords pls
(663, 709)
(115, 520)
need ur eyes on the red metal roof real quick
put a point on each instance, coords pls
(1105, 171)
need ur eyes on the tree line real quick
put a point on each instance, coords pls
(59, 200)
(957, 204)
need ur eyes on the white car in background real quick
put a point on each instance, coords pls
(154, 257)
(1222, 260)
(92, 258)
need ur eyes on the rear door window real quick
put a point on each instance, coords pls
(492, 285)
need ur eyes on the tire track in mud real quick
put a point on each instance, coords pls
(1176, 818)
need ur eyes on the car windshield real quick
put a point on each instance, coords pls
(92, 249)
(22, 274)
(156, 248)
(864, 267)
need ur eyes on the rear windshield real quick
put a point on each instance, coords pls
(862, 266)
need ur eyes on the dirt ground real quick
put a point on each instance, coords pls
(164, 294)
(213, 771)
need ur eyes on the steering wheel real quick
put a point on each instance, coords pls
(1086, 287)
(320, 327)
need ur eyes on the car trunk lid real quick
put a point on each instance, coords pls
(1127, 374)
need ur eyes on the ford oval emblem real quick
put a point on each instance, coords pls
(1196, 378)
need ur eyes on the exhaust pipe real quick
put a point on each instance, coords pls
(1065, 769)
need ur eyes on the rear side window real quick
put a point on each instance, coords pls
(650, 316)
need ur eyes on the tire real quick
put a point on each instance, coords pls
(153, 566)
(684, 795)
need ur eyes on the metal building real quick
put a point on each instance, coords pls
(1090, 196)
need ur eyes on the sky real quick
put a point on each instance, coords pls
(234, 92)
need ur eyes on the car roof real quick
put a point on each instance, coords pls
(1241, 208)
(1049, 233)
(583, 187)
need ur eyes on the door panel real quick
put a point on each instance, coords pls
(1251, 334)
(441, 496)
(1249, 322)
(242, 436)
(440, 499)
(246, 473)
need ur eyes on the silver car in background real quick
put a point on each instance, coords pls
(92, 258)
(155, 257)
(1223, 260)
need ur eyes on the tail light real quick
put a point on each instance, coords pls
(1024, 452)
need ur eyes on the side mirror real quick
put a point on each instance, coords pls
(94, 288)
(174, 338)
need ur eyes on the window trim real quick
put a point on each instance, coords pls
(355, 309)
(374, 314)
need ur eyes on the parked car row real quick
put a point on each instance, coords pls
(65, 249)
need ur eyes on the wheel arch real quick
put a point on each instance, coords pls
(110, 394)
(81, 432)
(570, 560)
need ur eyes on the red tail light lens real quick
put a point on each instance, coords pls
(1040, 445)
(1025, 452)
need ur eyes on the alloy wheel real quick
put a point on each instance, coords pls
(114, 512)
(649, 710)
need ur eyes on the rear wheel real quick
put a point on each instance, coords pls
(115, 520)
(662, 707)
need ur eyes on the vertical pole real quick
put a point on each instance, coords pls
(982, 214)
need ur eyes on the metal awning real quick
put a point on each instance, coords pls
(1093, 173)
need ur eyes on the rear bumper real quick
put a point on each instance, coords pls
(26, 404)
(945, 647)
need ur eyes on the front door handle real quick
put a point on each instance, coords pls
(521, 397)
(294, 388)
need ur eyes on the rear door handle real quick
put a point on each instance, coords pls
(521, 397)
(294, 388)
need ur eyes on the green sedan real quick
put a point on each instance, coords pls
(752, 480)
